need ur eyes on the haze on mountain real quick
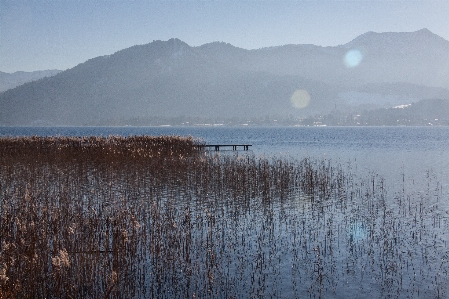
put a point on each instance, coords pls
(11, 80)
(170, 79)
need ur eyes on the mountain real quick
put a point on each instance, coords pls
(386, 95)
(170, 79)
(397, 41)
(11, 80)
(423, 113)
(419, 57)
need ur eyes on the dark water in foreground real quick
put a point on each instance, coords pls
(384, 236)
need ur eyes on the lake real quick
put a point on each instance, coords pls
(384, 236)
(411, 154)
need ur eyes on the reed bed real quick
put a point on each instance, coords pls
(159, 217)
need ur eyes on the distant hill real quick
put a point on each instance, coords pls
(419, 57)
(11, 80)
(169, 79)
(386, 95)
(425, 112)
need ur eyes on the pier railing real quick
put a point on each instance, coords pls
(218, 146)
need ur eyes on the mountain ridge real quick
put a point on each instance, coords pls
(392, 37)
(171, 78)
(12, 80)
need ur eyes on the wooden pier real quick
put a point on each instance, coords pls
(234, 146)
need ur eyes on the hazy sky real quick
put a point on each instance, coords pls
(59, 34)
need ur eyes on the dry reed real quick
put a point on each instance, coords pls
(140, 217)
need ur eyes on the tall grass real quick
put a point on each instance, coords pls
(158, 217)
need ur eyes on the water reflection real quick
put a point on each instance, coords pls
(225, 226)
(357, 231)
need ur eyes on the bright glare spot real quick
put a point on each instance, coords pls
(358, 231)
(300, 98)
(353, 58)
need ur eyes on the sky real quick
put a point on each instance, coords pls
(59, 34)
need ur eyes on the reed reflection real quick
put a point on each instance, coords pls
(148, 217)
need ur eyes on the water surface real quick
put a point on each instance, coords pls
(384, 235)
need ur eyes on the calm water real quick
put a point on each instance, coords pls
(407, 155)
(387, 238)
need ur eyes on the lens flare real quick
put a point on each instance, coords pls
(353, 58)
(300, 98)
(358, 231)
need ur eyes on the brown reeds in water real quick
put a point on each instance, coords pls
(104, 148)
(158, 217)
(67, 228)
